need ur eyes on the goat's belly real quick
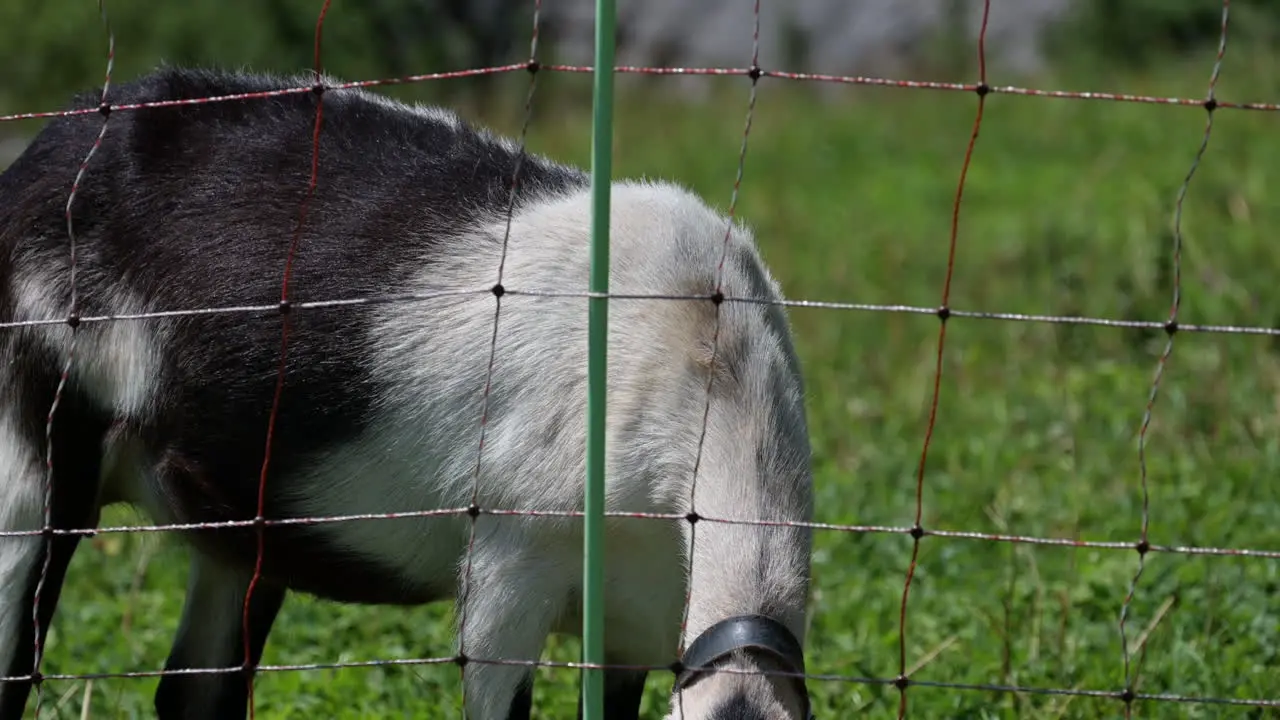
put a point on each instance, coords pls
(374, 535)
(318, 564)
(319, 561)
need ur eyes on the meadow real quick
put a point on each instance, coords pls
(1067, 210)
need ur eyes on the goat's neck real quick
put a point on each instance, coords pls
(744, 567)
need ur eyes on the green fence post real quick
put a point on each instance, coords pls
(597, 342)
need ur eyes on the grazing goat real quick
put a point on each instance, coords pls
(195, 206)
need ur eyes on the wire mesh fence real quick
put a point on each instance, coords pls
(1125, 695)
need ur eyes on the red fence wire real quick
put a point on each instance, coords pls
(903, 681)
(944, 312)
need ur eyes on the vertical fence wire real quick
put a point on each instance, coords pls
(902, 681)
(250, 661)
(717, 299)
(474, 509)
(73, 325)
(1143, 546)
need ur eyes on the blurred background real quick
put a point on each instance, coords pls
(1068, 210)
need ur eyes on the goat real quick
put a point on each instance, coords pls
(192, 206)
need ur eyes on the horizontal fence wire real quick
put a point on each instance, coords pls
(408, 298)
(1170, 325)
(670, 517)
(659, 71)
(1118, 695)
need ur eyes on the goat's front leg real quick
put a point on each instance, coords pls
(32, 567)
(514, 595)
(210, 636)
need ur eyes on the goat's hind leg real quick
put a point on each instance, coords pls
(211, 636)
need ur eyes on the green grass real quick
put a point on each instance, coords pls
(1067, 210)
